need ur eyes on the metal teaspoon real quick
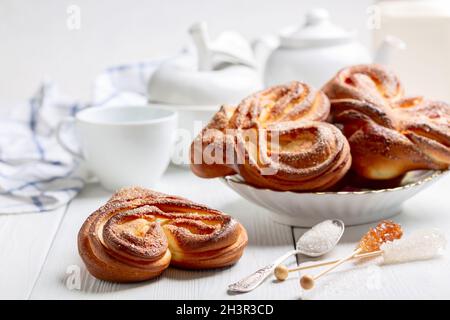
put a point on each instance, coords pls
(255, 279)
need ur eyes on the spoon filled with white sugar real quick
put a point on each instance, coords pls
(315, 242)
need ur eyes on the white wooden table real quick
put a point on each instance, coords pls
(36, 251)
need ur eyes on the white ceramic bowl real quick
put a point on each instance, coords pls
(352, 207)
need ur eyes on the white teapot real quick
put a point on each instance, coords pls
(315, 51)
(219, 71)
(195, 83)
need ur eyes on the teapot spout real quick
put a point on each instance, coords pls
(200, 37)
(388, 46)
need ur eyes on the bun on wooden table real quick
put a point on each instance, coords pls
(138, 233)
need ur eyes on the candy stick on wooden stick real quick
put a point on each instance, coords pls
(420, 245)
(307, 281)
(370, 242)
(281, 272)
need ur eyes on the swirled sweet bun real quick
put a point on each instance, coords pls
(389, 134)
(277, 139)
(138, 233)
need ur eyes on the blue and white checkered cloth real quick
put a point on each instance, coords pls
(36, 174)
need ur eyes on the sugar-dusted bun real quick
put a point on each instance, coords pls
(138, 233)
(388, 133)
(276, 138)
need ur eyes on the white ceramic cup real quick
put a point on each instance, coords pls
(123, 146)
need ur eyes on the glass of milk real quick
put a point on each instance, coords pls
(424, 67)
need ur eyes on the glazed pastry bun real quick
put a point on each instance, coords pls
(277, 139)
(138, 233)
(389, 134)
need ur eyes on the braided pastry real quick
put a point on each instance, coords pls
(276, 139)
(139, 232)
(388, 133)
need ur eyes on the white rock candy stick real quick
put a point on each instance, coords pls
(419, 245)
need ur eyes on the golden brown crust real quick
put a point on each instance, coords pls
(388, 133)
(282, 103)
(139, 232)
(276, 139)
(215, 135)
(311, 156)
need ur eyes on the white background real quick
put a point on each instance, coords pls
(35, 41)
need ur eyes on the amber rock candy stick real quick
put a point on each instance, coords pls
(385, 231)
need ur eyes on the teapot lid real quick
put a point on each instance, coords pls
(317, 30)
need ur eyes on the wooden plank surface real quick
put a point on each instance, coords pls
(268, 240)
(25, 240)
(24, 274)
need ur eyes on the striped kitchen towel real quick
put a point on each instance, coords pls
(36, 174)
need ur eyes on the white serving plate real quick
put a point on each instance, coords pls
(352, 207)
